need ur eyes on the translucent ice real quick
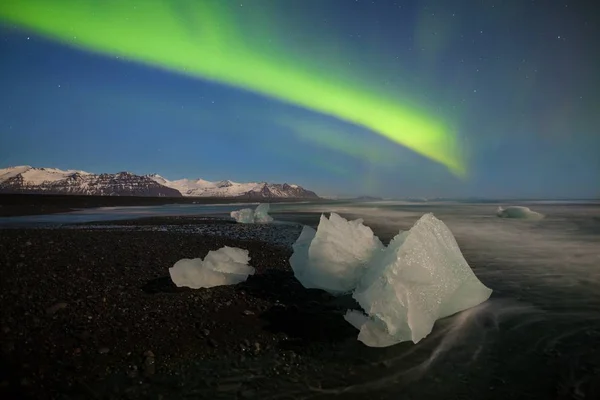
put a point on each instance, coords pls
(249, 216)
(420, 277)
(243, 216)
(261, 214)
(334, 257)
(518, 212)
(225, 266)
(373, 333)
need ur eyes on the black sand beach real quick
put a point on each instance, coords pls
(89, 312)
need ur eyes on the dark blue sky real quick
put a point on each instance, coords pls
(518, 80)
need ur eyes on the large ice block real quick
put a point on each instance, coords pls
(333, 258)
(420, 277)
(225, 266)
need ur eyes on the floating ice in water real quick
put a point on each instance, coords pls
(225, 266)
(334, 256)
(249, 216)
(420, 277)
(518, 212)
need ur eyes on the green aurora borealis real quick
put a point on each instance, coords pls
(204, 40)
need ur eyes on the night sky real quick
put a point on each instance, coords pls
(516, 84)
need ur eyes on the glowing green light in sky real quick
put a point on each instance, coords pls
(201, 38)
(327, 137)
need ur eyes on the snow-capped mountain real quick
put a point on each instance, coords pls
(227, 188)
(26, 179)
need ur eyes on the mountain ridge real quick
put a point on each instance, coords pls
(41, 180)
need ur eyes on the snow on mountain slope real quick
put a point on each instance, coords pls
(214, 189)
(36, 176)
(227, 188)
(27, 179)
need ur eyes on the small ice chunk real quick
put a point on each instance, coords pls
(518, 212)
(249, 216)
(261, 214)
(225, 266)
(419, 278)
(243, 216)
(372, 332)
(333, 258)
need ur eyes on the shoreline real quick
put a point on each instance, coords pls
(13, 205)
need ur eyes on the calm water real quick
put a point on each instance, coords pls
(537, 337)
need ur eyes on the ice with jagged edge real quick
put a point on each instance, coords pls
(243, 216)
(261, 214)
(333, 257)
(518, 212)
(421, 276)
(225, 266)
(249, 216)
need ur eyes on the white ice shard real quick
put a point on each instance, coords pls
(243, 216)
(225, 266)
(261, 214)
(333, 258)
(518, 212)
(248, 216)
(373, 333)
(419, 278)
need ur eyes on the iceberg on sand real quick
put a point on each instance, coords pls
(333, 257)
(243, 216)
(248, 216)
(225, 266)
(420, 277)
(261, 214)
(518, 212)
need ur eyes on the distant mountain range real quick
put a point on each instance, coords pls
(252, 190)
(27, 179)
